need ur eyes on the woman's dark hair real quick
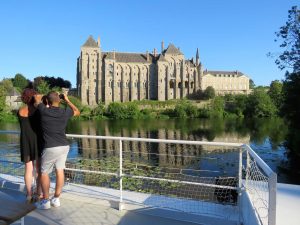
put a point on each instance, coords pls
(27, 95)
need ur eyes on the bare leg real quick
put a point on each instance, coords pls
(28, 177)
(60, 179)
(38, 178)
(45, 183)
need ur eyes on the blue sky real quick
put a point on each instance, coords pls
(44, 37)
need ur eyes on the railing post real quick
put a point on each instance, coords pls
(240, 185)
(247, 168)
(121, 175)
(272, 198)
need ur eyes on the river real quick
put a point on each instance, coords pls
(265, 136)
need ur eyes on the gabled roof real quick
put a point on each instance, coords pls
(90, 43)
(129, 57)
(190, 62)
(109, 55)
(161, 58)
(172, 50)
(214, 72)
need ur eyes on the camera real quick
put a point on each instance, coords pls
(62, 96)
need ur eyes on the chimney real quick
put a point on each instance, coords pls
(147, 56)
(162, 46)
(98, 41)
(154, 52)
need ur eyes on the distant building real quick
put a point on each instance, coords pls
(122, 77)
(225, 82)
(13, 99)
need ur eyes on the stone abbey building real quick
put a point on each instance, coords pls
(122, 77)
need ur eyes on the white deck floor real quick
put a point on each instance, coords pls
(79, 209)
(288, 204)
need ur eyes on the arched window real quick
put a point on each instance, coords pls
(172, 84)
(192, 84)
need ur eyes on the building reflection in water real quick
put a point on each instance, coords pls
(159, 154)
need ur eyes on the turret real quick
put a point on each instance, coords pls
(197, 57)
(98, 41)
(162, 46)
(154, 52)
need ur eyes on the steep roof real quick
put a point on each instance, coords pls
(90, 43)
(172, 50)
(190, 62)
(129, 57)
(161, 58)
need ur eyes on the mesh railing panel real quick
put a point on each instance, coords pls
(257, 188)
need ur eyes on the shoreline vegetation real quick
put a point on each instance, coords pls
(256, 105)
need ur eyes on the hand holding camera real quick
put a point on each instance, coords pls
(64, 97)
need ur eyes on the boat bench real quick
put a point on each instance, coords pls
(11, 210)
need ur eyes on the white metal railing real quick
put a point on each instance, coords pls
(256, 181)
(261, 186)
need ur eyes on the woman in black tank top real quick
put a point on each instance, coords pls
(30, 141)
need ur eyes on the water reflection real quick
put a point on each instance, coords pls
(264, 135)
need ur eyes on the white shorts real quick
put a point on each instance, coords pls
(54, 156)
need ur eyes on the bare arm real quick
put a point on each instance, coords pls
(37, 100)
(71, 105)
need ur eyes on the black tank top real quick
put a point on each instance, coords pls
(30, 137)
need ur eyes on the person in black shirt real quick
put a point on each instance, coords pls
(56, 147)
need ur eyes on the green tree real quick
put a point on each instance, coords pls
(259, 104)
(98, 112)
(132, 111)
(116, 110)
(20, 81)
(291, 102)
(2, 98)
(6, 86)
(289, 36)
(236, 104)
(276, 94)
(209, 92)
(76, 102)
(85, 112)
(43, 87)
(179, 111)
(251, 84)
(218, 107)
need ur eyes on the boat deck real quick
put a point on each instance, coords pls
(288, 204)
(78, 210)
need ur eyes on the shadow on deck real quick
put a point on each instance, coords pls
(75, 210)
